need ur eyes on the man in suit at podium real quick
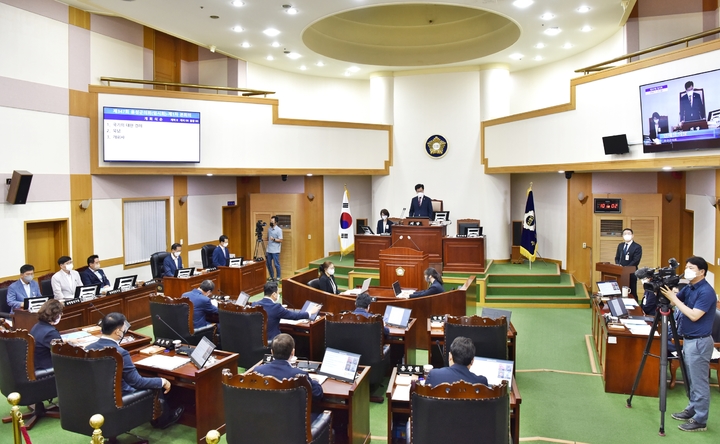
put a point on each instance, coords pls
(94, 275)
(173, 261)
(421, 205)
(221, 255)
(629, 253)
(692, 107)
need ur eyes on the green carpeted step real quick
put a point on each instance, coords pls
(524, 278)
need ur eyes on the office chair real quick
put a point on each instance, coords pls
(177, 313)
(244, 332)
(714, 363)
(45, 283)
(17, 374)
(437, 205)
(206, 254)
(4, 307)
(460, 413)
(488, 335)
(314, 283)
(156, 263)
(90, 382)
(262, 409)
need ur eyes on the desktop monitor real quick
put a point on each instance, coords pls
(442, 216)
(125, 282)
(397, 316)
(463, 227)
(236, 261)
(616, 144)
(474, 232)
(340, 365)
(366, 229)
(33, 304)
(185, 272)
(617, 308)
(86, 292)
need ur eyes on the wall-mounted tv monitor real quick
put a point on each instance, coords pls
(150, 135)
(681, 113)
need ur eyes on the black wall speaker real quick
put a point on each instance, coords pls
(517, 232)
(19, 187)
(616, 144)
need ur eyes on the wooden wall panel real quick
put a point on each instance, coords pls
(672, 187)
(180, 214)
(580, 220)
(81, 221)
(80, 103)
(245, 187)
(79, 18)
(314, 218)
(148, 38)
(166, 59)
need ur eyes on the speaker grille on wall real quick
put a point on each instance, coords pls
(19, 187)
(517, 232)
(616, 144)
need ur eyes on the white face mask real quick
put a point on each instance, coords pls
(690, 274)
(176, 254)
(331, 271)
(384, 217)
(627, 237)
(68, 267)
(226, 244)
(420, 195)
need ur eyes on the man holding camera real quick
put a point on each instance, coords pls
(696, 303)
(275, 238)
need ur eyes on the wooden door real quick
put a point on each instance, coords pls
(288, 209)
(45, 242)
(231, 229)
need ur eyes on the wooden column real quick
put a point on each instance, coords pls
(314, 218)
(81, 223)
(580, 225)
(245, 186)
(180, 215)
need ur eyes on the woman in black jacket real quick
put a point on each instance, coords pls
(327, 278)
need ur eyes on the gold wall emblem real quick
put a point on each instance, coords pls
(400, 271)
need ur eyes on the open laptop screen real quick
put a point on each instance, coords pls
(125, 281)
(396, 288)
(365, 285)
(617, 307)
(340, 365)
(609, 288)
(495, 370)
(496, 313)
(397, 316)
(202, 352)
(243, 299)
(309, 305)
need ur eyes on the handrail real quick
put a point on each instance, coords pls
(686, 40)
(246, 92)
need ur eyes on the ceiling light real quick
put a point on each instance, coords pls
(245, 45)
(294, 55)
(320, 63)
(214, 17)
(667, 168)
(237, 28)
(516, 56)
(347, 73)
(212, 48)
(586, 28)
(275, 45)
(567, 46)
(522, 3)
(553, 31)
(583, 9)
(237, 3)
(209, 174)
(290, 10)
(540, 45)
(353, 69)
(538, 58)
(561, 171)
(272, 32)
(303, 68)
(271, 58)
(547, 16)
(309, 174)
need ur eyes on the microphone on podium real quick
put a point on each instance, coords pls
(399, 239)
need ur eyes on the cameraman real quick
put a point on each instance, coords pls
(696, 303)
(275, 238)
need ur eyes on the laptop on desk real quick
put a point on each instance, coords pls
(309, 305)
(202, 352)
(495, 370)
(243, 299)
(397, 316)
(619, 310)
(339, 365)
(609, 289)
(399, 292)
(363, 289)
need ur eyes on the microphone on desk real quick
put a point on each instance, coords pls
(442, 349)
(416, 245)
(98, 310)
(168, 326)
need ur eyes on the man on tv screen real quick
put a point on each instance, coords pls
(691, 104)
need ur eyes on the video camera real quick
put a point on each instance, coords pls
(659, 277)
(259, 228)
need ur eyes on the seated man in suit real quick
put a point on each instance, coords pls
(462, 355)
(283, 349)
(362, 303)
(44, 332)
(64, 281)
(221, 255)
(421, 205)
(275, 311)
(114, 329)
(433, 278)
(23, 288)
(173, 261)
(94, 275)
(202, 306)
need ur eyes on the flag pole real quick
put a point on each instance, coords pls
(529, 261)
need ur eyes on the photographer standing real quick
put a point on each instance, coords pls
(275, 238)
(696, 303)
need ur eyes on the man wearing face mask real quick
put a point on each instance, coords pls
(384, 225)
(275, 311)
(696, 303)
(629, 253)
(221, 255)
(44, 332)
(275, 238)
(64, 281)
(202, 305)
(692, 107)
(421, 205)
(94, 275)
(173, 261)
(23, 288)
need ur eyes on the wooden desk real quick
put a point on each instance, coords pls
(367, 249)
(249, 278)
(199, 391)
(132, 340)
(464, 254)
(134, 304)
(350, 404)
(399, 411)
(403, 343)
(175, 287)
(424, 238)
(620, 352)
(437, 339)
(309, 337)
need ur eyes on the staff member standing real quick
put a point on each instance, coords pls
(629, 253)
(275, 238)
(696, 303)
(221, 255)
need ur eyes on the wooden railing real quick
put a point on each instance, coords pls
(245, 92)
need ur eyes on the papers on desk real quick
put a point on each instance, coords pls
(74, 335)
(164, 362)
(319, 378)
(402, 388)
(293, 322)
(630, 302)
(643, 329)
(715, 354)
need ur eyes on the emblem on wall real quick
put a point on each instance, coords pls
(436, 146)
(400, 271)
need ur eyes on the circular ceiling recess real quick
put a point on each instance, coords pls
(411, 35)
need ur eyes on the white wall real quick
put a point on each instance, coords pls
(361, 198)
(699, 185)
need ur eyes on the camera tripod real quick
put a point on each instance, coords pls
(662, 315)
(259, 247)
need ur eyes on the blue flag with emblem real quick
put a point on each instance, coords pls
(528, 242)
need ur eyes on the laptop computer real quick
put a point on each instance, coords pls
(124, 282)
(202, 352)
(242, 299)
(399, 291)
(309, 305)
(363, 289)
(619, 310)
(609, 289)
(33, 304)
(185, 272)
(86, 292)
(366, 230)
(495, 313)
(495, 370)
(397, 316)
(236, 261)
(340, 365)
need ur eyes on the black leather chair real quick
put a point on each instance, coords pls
(45, 283)
(314, 283)
(177, 312)
(17, 364)
(488, 335)
(714, 363)
(244, 332)
(460, 413)
(90, 382)
(262, 409)
(357, 334)
(4, 307)
(206, 253)
(156, 264)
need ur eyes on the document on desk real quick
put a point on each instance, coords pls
(630, 302)
(164, 362)
(318, 378)
(640, 329)
(74, 335)
(401, 393)
(293, 322)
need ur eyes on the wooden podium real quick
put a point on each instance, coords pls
(413, 263)
(612, 272)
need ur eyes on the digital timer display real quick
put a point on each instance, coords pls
(608, 205)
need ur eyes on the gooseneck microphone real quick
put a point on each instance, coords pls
(399, 239)
(98, 310)
(442, 349)
(173, 330)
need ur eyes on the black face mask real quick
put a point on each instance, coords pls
(272, 224)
